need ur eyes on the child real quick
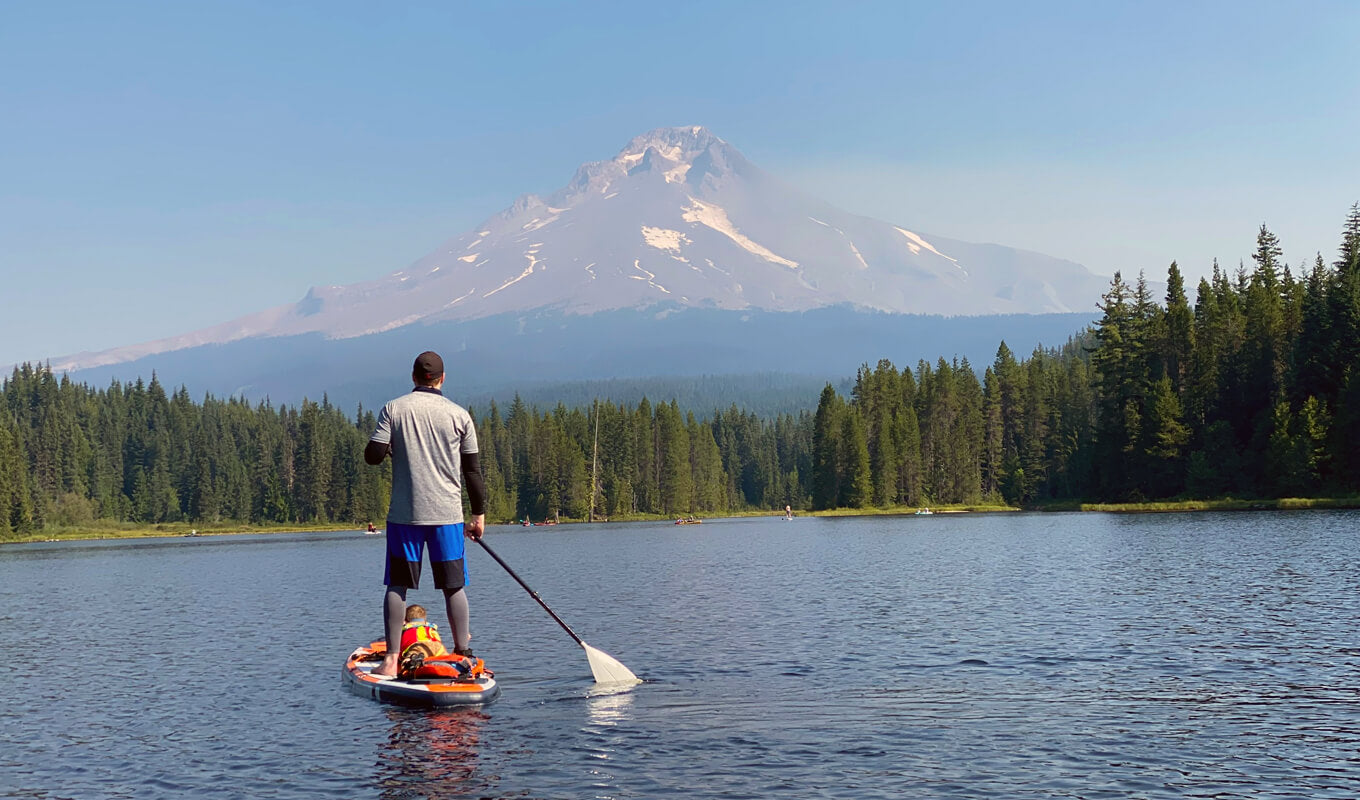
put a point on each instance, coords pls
(419, 635)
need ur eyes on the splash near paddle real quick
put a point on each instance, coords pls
(440, 681)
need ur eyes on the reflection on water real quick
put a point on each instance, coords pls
(430, 754)
(611, 707)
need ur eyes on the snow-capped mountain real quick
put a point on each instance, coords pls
(678, 217)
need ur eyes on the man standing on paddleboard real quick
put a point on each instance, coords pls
(434, 455)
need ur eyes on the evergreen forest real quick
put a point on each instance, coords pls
(1251, 390)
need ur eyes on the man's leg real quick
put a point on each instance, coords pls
(405, 547)
(394, 617)
(456, 604)
(450, 574)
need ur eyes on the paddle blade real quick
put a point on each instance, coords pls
(606, 668)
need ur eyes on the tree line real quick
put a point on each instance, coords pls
(71, 454)
(1252, 390)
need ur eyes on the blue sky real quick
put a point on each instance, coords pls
(166, 166)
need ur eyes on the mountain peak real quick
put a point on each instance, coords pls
(680, 145)
(688, 154)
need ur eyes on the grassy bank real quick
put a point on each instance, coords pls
(111, 529)
(1225, 504)
(900, 510)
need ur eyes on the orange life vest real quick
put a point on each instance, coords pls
(450, 666)
(420, 631)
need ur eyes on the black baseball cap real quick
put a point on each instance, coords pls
(428, 366)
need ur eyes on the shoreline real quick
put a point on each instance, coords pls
(189, 530)
(171, 530)
(1223, 504)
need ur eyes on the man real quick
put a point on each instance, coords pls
(434, 455)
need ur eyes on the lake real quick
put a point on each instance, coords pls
(950, 656)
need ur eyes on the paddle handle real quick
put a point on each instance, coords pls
(531, 592)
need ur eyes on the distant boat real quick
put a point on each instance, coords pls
(923, 511)
(689, 521)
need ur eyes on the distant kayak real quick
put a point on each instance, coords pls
(690, 521)
(440, 682)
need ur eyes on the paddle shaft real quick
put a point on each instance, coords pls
(531, 592)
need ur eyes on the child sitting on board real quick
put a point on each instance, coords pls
(419, 635)
(423, 653)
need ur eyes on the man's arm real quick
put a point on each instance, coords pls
(375, 452)
(476, 490)
(380, 443)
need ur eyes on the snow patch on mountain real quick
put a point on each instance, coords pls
(536, 224)
(916, 243)
(663, 239)
(858, 256)
(650, 276)
(455, 301)
(676, 174)
(716, 218)
(526, 273)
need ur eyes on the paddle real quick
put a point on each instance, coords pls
(603, 666)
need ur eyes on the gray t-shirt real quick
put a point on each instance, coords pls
(428, 432)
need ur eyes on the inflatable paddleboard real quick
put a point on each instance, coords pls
(442, 681)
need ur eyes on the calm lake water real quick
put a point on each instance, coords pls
(1007, 656)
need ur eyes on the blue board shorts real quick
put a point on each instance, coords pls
(406, 546)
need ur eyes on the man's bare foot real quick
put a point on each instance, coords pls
(388, 668)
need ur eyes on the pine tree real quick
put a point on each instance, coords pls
(907, 433)
(1285, 459)
(1314, 372)
(1178, 331)
(856, 486)
(706, 464)
(1120, 379)
(1265, 352)
(826, 449)
(1167, 438)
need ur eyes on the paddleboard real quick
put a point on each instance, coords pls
(474, 689)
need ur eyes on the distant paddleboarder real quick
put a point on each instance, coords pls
(433, 445)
